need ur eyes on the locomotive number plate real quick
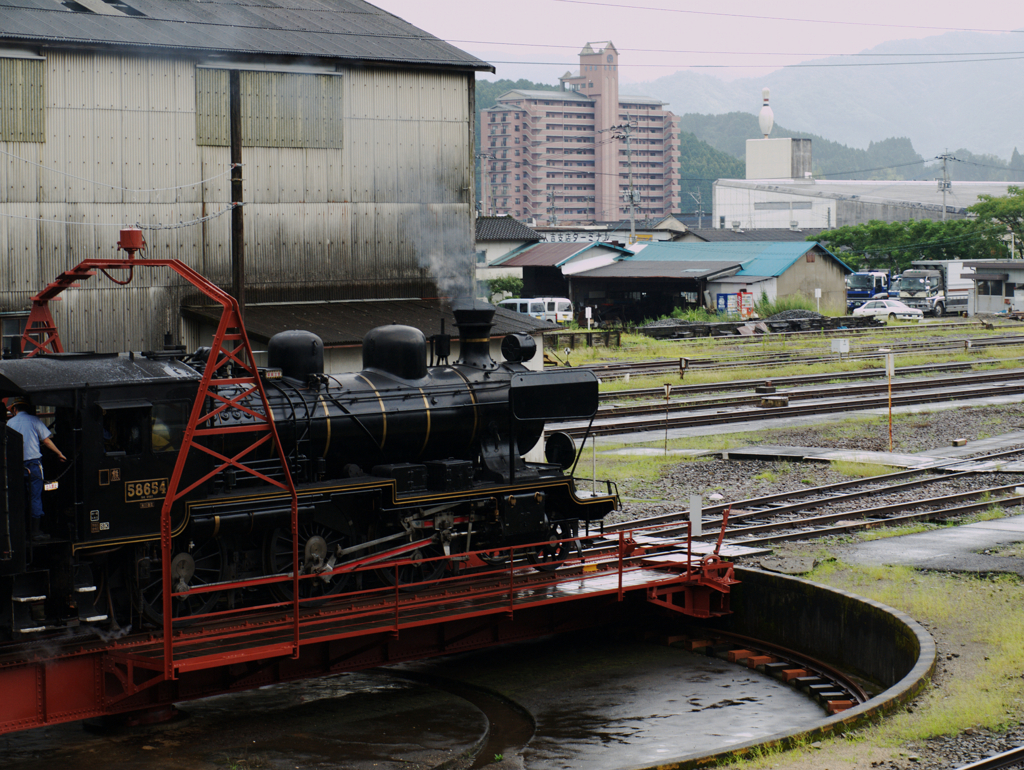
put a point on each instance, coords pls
(137, 491)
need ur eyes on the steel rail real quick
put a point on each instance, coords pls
(710, 417)
(1007, 759)
(835, 391)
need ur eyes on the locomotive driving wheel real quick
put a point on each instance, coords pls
(547, 558)
(191, 566)
(422, 566)
(318, 545)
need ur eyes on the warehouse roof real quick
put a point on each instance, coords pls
(553, 254)
(762, 258)
(641, 268)
(337, 29)
(344, 324)
(766, 258)
(903, 193)
(504, 229)
(712, 235)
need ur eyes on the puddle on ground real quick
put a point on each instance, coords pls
(597, 704)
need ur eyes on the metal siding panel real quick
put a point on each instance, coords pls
(134, 83)
(431, 107)
(408, 96)
(162, 158)
(79, 237)
(135, 153)
(388, 255)
(107, 167)
(56, 82)
(360, 92)
(22, 100)
(23, 247)
(455, 162)
(430, 172)
(314, 174)
(361, 156)
(106, 74)
(292, 162)
(216, 255)
(53, 152)
(263, 241)
(212, 105)
(80, 161)
(22, 176)
(454, 98)
(385, 165)
(184, 86)
(160, 85)
(188, 166)
(363, 240)
(262, 176)
(340, 248)
(51, 243)
(214, 162)
(385, 95)
(407, 161)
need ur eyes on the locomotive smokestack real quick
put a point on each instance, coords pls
(474, 321)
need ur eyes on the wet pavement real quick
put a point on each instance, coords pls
(966, 548)
(573, 701)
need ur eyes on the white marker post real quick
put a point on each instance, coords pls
(696, 513)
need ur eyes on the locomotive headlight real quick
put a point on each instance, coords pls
(50, 486)
(518, 347)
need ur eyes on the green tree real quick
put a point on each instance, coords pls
(505, 284)
(1006, 212)
(701, 164)
(895, 245)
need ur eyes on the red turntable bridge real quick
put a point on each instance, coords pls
(53, 681)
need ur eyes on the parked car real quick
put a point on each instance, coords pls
(890, 309)
(554, 309)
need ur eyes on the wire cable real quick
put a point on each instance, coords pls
(158, 226)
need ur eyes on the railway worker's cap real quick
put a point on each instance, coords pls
(14, 401)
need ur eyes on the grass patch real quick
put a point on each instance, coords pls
(983, 616)
(861, 470)
(883, 532)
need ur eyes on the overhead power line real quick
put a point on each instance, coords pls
(780, 18)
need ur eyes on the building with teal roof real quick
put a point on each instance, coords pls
(659, 277)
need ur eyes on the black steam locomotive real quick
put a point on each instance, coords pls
(398, 454)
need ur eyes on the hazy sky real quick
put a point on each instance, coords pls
(540, 39)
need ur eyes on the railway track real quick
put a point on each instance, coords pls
(615, 371)
(1008, 759)
(718, 410)
(805, 513)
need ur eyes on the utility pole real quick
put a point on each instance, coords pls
(625, 133)
(944, 185)
(700, 207)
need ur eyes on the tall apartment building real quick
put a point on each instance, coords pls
(573, 155)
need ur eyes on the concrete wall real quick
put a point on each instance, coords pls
(858, 635)
(770, 158)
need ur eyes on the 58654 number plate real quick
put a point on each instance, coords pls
(138, 491)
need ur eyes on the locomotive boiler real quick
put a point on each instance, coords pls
(428, 460)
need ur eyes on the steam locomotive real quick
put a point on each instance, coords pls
(428, 459)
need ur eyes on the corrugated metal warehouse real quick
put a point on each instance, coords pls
(356, 144)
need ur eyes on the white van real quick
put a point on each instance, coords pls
(554, 309)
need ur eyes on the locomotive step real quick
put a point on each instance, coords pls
(28, 599)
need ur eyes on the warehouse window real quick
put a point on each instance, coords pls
(278, 109)
(23, 106)
(12, 326)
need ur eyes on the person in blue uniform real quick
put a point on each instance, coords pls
(34, 436)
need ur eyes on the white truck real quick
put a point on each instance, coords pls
(935, 287)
